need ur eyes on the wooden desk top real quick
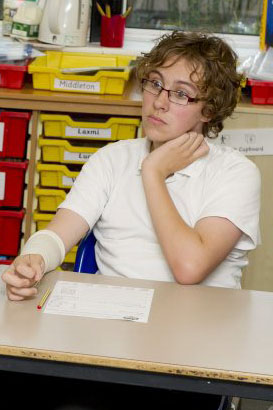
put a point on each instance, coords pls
(192, 330)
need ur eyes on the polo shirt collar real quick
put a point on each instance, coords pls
(143, 152)
(191, 170)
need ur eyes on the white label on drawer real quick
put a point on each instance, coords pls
(85, 86)
(76, 156)
(2, 185)
(249, 141)
(67, 181)
(2, 127)
(88, 132)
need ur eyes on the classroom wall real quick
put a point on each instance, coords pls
(259, 274)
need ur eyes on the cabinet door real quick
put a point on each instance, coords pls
(258, 275)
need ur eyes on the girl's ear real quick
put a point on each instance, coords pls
(206, 114)
(205, 119)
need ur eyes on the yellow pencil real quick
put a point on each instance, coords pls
(44, 298)
(100, 10)
(127, 12)
(108, 10)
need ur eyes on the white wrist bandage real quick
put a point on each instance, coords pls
(47, 244)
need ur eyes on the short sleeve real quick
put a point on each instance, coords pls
(91, 189)
(234, 193)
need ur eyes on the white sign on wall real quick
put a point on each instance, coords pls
(249, 141)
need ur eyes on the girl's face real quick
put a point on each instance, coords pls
(164, 120)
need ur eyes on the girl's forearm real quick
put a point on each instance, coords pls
(181, 244)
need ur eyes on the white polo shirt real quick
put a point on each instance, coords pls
(109, 195)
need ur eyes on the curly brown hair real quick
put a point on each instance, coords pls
(212, 60)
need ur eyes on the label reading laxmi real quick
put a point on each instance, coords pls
(77, 156)
(2, 127)
(88, 132)
(2, 185)
(85, 86)
(68, 181)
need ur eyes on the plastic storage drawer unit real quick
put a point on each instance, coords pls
(13, 132)
(81, 72)
(10, 228)
(13, 75)
(113, 129)
(261, 91)
(62, 151)
(12, 178)
(6, 261)
(41, 222)
(57, 176)
(49, 199)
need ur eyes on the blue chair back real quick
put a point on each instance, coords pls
(85, 258)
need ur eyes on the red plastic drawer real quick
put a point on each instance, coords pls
(261, 91)
(12, 178)
(13, 75)
(6, 262)
(13, 132)
(10, 232)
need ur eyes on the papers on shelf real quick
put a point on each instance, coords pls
(100, 301)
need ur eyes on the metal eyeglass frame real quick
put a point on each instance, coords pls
(189, 99)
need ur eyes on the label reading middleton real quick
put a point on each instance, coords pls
(77, 85)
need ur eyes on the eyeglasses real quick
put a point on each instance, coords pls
(177, 97)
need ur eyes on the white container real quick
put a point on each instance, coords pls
(9, 10)
(26, 21)
(65, 22)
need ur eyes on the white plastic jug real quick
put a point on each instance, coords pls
(65, 22)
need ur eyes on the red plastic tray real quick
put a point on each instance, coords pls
(12, 177)
(10, 228)
(6, 262)
(13, 75)
(261, 91)
(13, 133)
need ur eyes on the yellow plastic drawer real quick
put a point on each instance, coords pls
(50, 72)
(64, 152)
(113, 129)
(54, 175)
(49, 199)
(41, 221)
(70, 257)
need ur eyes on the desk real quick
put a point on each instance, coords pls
(201, 339)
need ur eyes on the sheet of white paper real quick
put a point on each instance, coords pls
(100, 301)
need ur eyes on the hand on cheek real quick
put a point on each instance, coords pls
(176, 154)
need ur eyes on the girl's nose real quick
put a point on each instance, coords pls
(161, 100)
